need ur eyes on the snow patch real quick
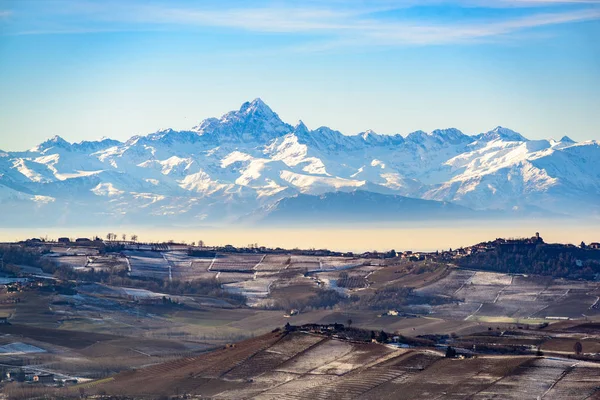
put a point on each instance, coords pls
(106, 189)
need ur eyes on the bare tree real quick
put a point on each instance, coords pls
(111, 236)
(200, 243)
(134, 238)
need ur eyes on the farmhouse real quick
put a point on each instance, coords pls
(19, 375)
(594, 245)
(64, 240)
(43, 378)
(33, 242)
(460, 252)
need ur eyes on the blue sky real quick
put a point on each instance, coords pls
(88, 69)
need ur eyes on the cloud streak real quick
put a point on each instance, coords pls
(352, 23)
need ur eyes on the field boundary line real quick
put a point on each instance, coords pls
(502, 290)
(87, 385)
(566, 372)
(255, 268)
(396, 353)
(260, 350)
(141, 352)
(169, 264)
(297, 375)
(475, 312)
(260, 262)
(128, 264)
(302, 352)
(212, 262)
(464, 283)
(487, 387)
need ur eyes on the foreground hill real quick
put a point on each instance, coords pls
(307, 366)
(248, 160)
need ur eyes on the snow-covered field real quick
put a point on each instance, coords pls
(75, 262)
(150, 266)
(484, 295)
(490, 278)
(19, 348)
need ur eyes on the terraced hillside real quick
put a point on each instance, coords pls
(299, 365)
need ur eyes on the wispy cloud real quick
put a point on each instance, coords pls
(335, 23)
(551, 1)
(398, 33)
(5, 13)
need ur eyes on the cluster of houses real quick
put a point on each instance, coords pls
(352, 334)
(499, 242)
(40, 378)
(66, 240)
(63, 240)
(25, 284)
(477, 248)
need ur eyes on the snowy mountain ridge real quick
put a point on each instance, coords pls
(226, 168)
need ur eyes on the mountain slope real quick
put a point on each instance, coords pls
(249, 161)
(359, 206)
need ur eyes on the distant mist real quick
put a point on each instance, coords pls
(421, 236)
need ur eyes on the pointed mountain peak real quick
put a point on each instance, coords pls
(566, 139)
(256, 106)
(366, 134)
(440, 136)
(416, 136)
(501, 133)
(54, 141)
(92, 146)
(258, 102)
(254, 121)
(300, 127)
(449, 136)
(446, 132)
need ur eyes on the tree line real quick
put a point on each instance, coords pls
(558, 261)
(12, 256)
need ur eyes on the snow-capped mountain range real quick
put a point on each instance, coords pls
(249, 164)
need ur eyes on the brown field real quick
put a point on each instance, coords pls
(139, 345)
(400, 275)
(304, 366)
(65, 338)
